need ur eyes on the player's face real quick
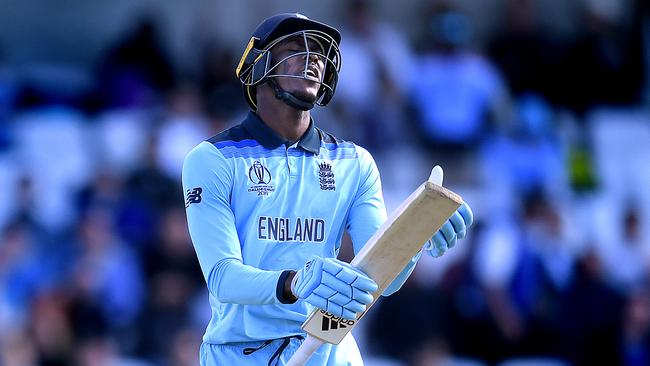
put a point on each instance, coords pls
(307, 87)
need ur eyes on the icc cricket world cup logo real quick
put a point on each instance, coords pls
(260, 176)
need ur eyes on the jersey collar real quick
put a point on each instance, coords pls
(268, 138)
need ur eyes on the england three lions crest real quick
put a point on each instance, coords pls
(326, 176)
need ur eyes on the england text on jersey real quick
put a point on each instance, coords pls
(287, 229)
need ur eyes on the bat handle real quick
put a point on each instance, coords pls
(304, 352)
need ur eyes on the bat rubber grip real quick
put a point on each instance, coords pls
(304, 352)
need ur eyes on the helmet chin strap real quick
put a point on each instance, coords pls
(289, 98)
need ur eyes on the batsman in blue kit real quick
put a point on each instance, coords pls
(268, 202)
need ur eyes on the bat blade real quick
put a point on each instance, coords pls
(391, 248)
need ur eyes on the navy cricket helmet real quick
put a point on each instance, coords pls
(257, 64)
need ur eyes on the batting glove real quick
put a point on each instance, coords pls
(334, 286)
(455, 228)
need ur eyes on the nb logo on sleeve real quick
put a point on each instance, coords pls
(193, 196)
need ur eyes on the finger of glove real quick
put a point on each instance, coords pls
(459, 224)
(333, 266)
(336, 284)
(439, 245)
(346, 273)
(346, 295)
(362, 281)
(363, 297)
(448, 232)
(325, 291)
(467, 214)
(339, 299)
(342, 271)
(317, 301)
(347, 303)
(355, 307)
(348, 314)
(336, 309)
(330, 306)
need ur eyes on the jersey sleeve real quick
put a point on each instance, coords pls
(368, 213)
(207, 184)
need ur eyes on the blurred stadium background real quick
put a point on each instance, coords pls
(539, 111)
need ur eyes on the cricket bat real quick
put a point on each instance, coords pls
(385, 255)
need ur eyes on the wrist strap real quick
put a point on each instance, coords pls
(293, 283)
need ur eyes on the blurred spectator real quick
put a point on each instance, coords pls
(175, 278)
(121, 137)
(173, 251)
(151, 192)
(636, 329)
(455, 92)
(543, 277)
(107, 272)
(21, 276)
(184, 348)
(102, 351)
(183, 126)
(631, 250)
(395, 318)
(527, 58)
(51, 330)
(219, 85)
(594, 313)
(605, 65)
(378, 64)
(56, 169)
(523, 156)
(17, 349)
(136, 69)
(8, 90)
(525, 270)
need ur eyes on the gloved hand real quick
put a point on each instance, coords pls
(455, 228)
(334, 286)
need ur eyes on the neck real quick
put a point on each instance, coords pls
(286, 121)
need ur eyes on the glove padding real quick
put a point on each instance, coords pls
(455, 228)
(334, 286)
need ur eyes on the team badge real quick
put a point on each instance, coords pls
(326, 176)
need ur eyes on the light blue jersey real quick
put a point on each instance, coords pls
(257, 208)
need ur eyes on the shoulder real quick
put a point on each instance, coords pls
(216, 149)
(328, 138)
(231, 136)
(339, 148)
(201, 156)
(234, 142)
(336, 146)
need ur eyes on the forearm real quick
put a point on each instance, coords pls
(399, 281)
(231, 281)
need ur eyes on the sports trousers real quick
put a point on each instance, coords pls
(278, 352)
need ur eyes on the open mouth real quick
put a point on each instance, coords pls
(313, 73)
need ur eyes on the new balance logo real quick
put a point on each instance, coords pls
(193, 196)
(332, 322)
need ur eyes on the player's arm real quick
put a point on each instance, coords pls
(368, 212)
(207, 183)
